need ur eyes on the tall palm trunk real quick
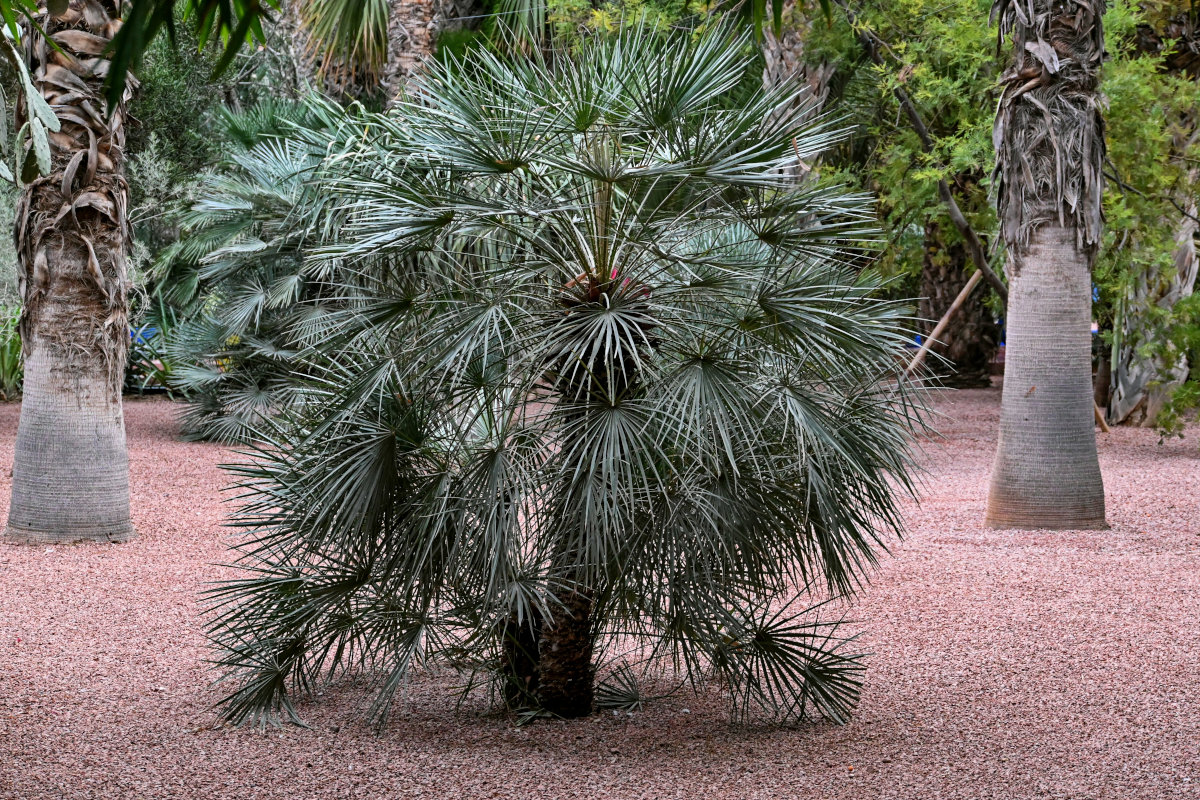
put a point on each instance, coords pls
(1046, 474)
(971, 337)
(70, 470)
(1049, 142)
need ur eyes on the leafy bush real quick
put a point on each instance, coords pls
(12, 367)
(605, 379)
(149, 366)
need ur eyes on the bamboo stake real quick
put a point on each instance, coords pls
(940, 328)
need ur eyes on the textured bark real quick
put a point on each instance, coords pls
(413, 28)
(1049, 140)
(565, 674)
(784, 60)
(70, 471)
(519, 661)
(1100, 384)
(298, 55)
(1046, 474)
(969, 342)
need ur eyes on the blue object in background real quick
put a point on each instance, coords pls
(143, 334)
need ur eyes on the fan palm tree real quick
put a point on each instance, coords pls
(615, 386)
(70, 470)
(1049, 139)
(241, 266)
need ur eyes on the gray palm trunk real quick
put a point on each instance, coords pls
(785, 59)
(299, 56)
(1049, 143)
(70, 469)
(1046, 474)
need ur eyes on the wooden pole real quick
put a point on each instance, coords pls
(940, 328)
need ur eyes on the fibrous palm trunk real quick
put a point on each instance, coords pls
(566, 677)
(785, 61)
(1049, 142)
(548, 662)
(298, 55)
(971, 337)
(70, 470)
(413, 27)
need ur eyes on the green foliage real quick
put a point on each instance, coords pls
(946, 60)
(352, 33)
(567, 20)
(233, 23)
(175, 138)
(1153, 151)
(591, 340)
(12, 367)
(944, 55)
(175, 113)
(241, 269)
(149, 367)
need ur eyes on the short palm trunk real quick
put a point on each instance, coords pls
(547, 663)
(565, 674)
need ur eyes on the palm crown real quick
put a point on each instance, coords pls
(607, 380)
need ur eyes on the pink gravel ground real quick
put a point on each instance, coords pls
(1006, 664)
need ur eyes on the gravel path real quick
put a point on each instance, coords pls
(1006, 664)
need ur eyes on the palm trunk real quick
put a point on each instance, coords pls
(785, 60)
(298, 58)
(1046, 474)
(1049, 138)
(565, 675)
(971, 337)
(413, 26)
(519, 641)
(70, 470)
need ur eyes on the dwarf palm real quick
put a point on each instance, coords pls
(616, 382)
(241, 265)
